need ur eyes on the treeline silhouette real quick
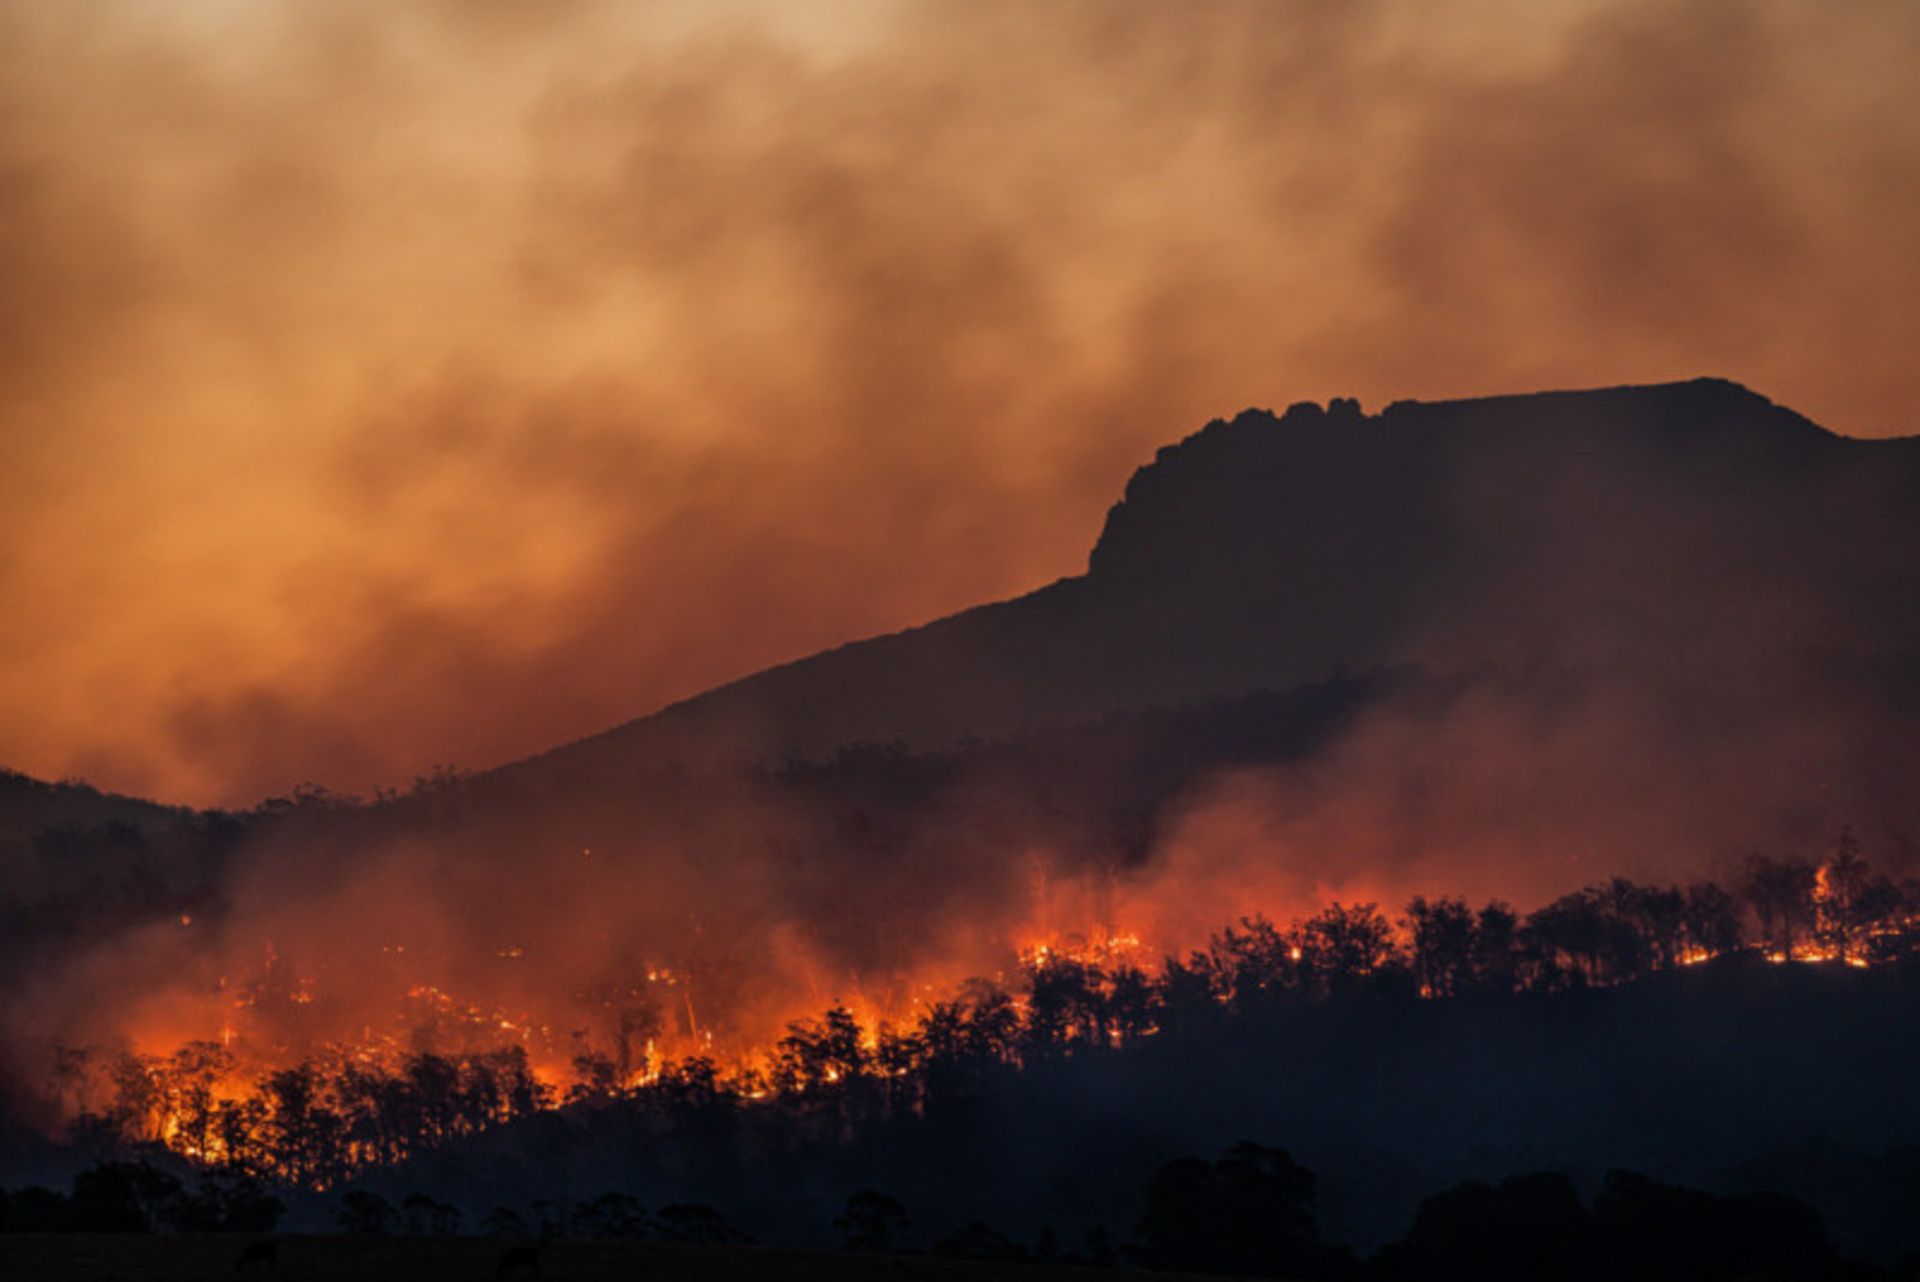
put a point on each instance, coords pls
(962, 1094)
(1250, 1212)
(316, 1123)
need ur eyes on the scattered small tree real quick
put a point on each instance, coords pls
(365, 1214)
(872, 1221)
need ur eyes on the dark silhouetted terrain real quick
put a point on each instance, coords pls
(1655, 533)
(1499, 648)
(189, 1258)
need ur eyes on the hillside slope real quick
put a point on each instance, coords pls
(1666, 528)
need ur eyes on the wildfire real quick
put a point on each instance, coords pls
(273, 1043)
(1099, 949)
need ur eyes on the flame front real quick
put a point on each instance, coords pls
(266, 1080)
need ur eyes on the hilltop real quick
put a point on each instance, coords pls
(1692, 549)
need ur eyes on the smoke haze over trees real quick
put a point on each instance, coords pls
(1668, 1015)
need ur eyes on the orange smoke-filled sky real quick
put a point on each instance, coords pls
(385, 384)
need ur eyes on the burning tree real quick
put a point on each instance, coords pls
(244, 1110)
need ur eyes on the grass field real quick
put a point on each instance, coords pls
(189, 1258)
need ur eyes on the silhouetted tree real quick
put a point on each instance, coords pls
(1852, 903)
(1529, 1228)
(1654, 918)
(993, 1024)
(1065, 1004)
(364, 1213)
(424, 1215)
(611, 1215)
(1189, 997)
(1711, 919)
(1251, 1212)
(123, 1197)
(819, 1053)
(303, 1133)
(897, 1058)
(1664, 1233)
(595, 1075)
(1443, 945)
(38, 1210)
(697, 1224)
(503, 1221)
(233, 1201)
(1343, 946)
(1781, 893)
(186, 1087)
(1574, 941)
(432, 1098)
(1255, 968)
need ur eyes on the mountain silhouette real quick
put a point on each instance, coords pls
(1693, 536)
(1645, 624)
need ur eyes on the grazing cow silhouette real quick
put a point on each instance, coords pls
(519, 1262)
(257, 1257)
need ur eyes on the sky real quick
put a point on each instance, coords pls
(385, 385)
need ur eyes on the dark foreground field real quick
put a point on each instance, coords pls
(107, 1257)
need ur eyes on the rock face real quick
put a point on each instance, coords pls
(1689, 540)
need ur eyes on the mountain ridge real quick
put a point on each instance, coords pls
(1245, 527)
(1328, 496)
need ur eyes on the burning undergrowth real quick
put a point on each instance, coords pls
(607, 925)
(392, 976)
(256, 1105)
